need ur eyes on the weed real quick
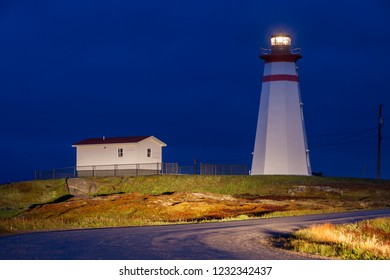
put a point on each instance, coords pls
(369, 239)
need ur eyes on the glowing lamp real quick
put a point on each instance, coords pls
(280, 40)
(280, 44)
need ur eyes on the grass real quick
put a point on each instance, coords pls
(365, 240)
(261, 185)
(149, 200)
(16, 198)
(291, 213)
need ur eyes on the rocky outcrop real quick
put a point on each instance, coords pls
(81, 187)
(310, 189)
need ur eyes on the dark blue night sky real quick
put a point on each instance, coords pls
(188, 73)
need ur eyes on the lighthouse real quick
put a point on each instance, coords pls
(280, 144)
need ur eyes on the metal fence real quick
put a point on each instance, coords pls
(223, 169)
(141, 169)
(66, 172)
(187, 170)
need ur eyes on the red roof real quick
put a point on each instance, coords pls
(111, 140)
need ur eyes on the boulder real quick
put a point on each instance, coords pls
(81, 187)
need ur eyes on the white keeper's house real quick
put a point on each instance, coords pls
(119, 156)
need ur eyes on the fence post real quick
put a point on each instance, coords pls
(195, 164)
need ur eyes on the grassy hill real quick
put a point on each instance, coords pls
(120, 201)
(262, 185)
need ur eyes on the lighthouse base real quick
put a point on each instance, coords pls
(280, 145)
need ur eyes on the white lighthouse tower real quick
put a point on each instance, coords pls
(280, 145)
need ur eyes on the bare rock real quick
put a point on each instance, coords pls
(220, 197)
(302, 189)
(81, 187)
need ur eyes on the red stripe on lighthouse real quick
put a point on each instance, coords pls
(269, 58)
(275, 78)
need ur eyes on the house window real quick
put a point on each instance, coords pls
(120, 152)
(149, 153)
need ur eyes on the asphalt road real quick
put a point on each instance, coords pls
(216, 241)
